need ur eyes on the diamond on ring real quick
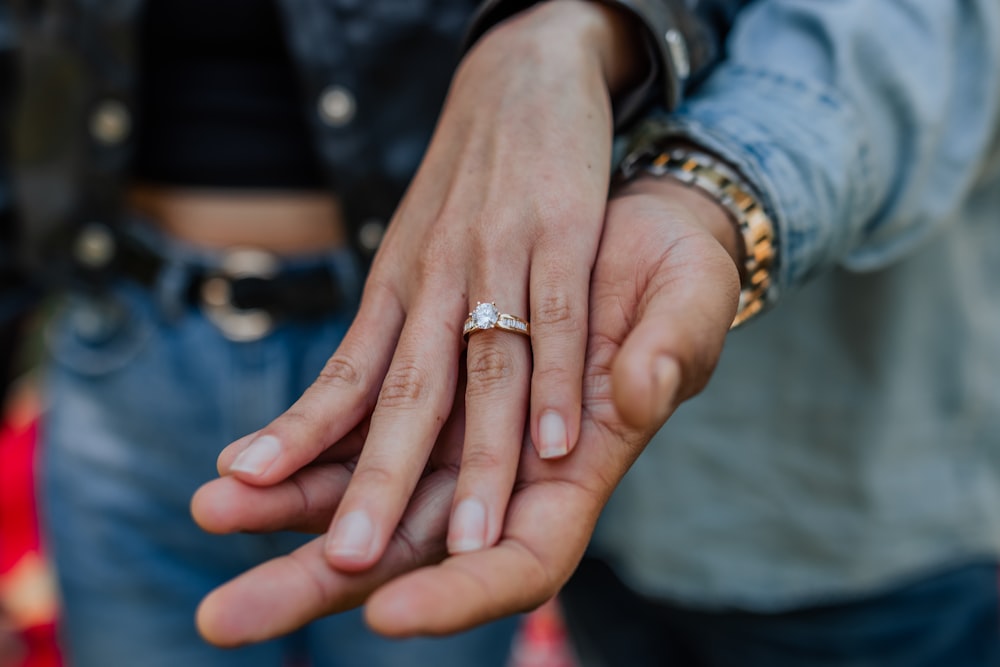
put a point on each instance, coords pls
(485, 316)
(488, 316)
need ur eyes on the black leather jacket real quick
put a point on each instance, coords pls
(374, 75)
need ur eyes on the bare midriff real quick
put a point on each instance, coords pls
(283, 222)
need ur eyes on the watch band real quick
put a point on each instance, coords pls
(723, 184)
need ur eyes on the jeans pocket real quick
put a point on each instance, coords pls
(96, 335)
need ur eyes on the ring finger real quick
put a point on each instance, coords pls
(498, 365)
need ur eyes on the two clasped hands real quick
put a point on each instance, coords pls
(456, 482)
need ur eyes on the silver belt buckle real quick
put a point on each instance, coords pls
(241, 325)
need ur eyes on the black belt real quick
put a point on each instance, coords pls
(247, 293)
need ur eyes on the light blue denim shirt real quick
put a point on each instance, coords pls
(850, 438)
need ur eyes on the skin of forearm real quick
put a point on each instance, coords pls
(618, 39)
(608, 33)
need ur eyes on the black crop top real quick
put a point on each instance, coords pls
(218, 100)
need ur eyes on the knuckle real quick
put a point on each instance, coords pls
(298, 418)
(303, 418)
(339, 371)
(404, 385)
(553, 310)
(373, 474)
(557, 212)
(493, 235)
(488, 237)
(554, 376)
(489, 367)
(480, 458)
(437, 257)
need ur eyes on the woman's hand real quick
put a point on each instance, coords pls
(663, 294)
(507, 206)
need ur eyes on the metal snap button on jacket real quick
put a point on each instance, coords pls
(110, 122)
(370, 234)
(337, 106)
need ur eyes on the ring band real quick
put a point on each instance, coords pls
(486, 316)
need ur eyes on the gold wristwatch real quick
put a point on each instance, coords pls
(723, 184)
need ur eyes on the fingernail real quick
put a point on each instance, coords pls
(468, 527)
(552, 436)
(666, 379)
(258, 456)
(352, 536)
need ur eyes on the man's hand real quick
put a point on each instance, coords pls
(663, 294)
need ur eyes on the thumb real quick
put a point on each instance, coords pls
(676, 340)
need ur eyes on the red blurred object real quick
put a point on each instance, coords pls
(27, 594)
(542, 641)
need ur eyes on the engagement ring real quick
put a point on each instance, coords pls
(486, 316)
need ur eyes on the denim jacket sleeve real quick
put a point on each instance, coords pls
(682, 40)
(864, 123)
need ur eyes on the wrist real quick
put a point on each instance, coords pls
(701, 209)
(711, 177)
(615, 36)
(675, 43)
(582, 31)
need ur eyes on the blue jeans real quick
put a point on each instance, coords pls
(950, 619)
(142, 394)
